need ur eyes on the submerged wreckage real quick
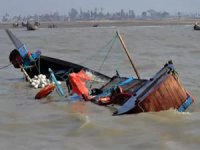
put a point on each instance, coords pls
(35, 63)
(128, 95)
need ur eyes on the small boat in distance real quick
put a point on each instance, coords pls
(95, 25)
(32, 25)
(196, 26)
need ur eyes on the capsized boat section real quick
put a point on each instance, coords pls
(162, 92)
(61, 68)
(35, 63)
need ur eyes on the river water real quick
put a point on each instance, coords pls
(27, 124)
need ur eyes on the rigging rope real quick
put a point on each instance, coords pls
(109, 50)
(101, 49)
(5, 66)
(111, 43)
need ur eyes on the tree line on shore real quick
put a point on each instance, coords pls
(75, 15)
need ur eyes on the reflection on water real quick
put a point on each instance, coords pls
(54, 124)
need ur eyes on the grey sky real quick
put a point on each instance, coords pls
(30, 7)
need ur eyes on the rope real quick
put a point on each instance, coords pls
(5, 66)
(111, 43)
(37, 66)
(101, 49)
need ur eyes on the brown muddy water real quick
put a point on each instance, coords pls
(27, 124)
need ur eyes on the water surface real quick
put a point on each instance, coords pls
(29, 124)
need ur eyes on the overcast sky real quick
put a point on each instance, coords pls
(30, 7)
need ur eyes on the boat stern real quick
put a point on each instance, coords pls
(161, 92)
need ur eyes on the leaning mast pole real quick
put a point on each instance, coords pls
(127, 53)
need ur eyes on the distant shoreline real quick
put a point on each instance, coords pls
(107, 23)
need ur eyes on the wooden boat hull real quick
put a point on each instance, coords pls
(162, 92)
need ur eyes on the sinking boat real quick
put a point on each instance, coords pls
(95, 25)
(196, 26)
(127, 95)
(161, 92)
(135, 95)
(31, 25)
(131, 95)
(35, 63)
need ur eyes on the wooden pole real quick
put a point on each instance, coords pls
(25, 73)
(127, 53)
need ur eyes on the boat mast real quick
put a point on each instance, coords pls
(127, 53)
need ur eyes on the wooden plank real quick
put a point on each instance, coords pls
(157, 101)
(173, 93)
(160, 100)
(180, 90)
(153, 101)
(167, 98)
